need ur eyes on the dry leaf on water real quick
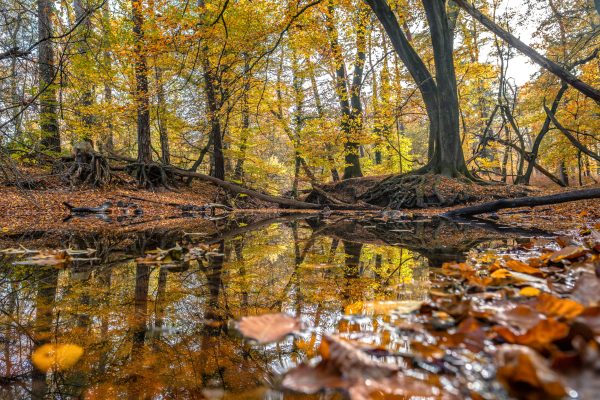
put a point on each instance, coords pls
(268, 327)
(520, 365)
(56, 357)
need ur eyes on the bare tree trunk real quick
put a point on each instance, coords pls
(141, 77)
(108, 141)
(50, 135)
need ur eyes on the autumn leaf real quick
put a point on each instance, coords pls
(556, 307)
(568, 253)
(56, 357)
(268, 327)
(520, 365)
(518, 266)
(539, 337)
(529, 292)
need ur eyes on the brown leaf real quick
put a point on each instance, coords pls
(556, 307)
(268, 327)
(568, 253)
(520, 365)
(519, 266)
(587, 289)
(538, 337)
(310, 380)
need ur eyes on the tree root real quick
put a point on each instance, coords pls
(86, 168)
(416, 190)
(151, 175)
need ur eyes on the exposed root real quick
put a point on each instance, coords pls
(86, 168)
(151, 175)
(416, 190)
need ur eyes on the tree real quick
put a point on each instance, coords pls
(47, 75)
(439, 94)
(144, 155)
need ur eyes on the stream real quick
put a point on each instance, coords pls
(154, 311)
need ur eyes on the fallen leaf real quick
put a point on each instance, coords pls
(519, 266)
(539, 337)
(310, 380)
(268, 327)
(56, 357)
(520, 365)
(568, 253)
(529, 292)
(556, 307)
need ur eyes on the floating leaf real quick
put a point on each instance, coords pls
(539, 337)
(56, 357)
(268, 327)
(500, 274)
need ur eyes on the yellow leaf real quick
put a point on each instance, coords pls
(56, 357)
(500, 274)
(529, 292)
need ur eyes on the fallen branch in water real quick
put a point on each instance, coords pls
(524, 202)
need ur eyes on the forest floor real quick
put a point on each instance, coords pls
(43, 209)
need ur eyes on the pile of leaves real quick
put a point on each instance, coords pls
(496, 327)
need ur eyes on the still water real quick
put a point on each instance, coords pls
(154, 310)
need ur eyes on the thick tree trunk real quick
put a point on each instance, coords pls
(87, 95)
(141, 77)
(238, 173)
(536, 57)
(440, 96)
(50, 135)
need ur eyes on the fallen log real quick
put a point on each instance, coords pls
(242, 190)
(494, 206)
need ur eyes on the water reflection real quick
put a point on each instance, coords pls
(163, 330)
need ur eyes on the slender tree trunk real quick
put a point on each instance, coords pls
(335, 176)
(108, 141)
(239, 166)
(352, 168)
(141, 93)
(161, 112)
(50, 135)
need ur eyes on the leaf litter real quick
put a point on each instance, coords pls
(494, 328)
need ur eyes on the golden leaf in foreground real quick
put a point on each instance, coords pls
(268, 327)
(56, 357)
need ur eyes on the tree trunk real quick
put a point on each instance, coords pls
(352, 168)
(50, 135)
(238, 173)
(161, 117)
(440, 96)
(141, 77)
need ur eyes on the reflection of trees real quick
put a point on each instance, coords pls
(313, 268)
(46, 280)
(439, 241)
